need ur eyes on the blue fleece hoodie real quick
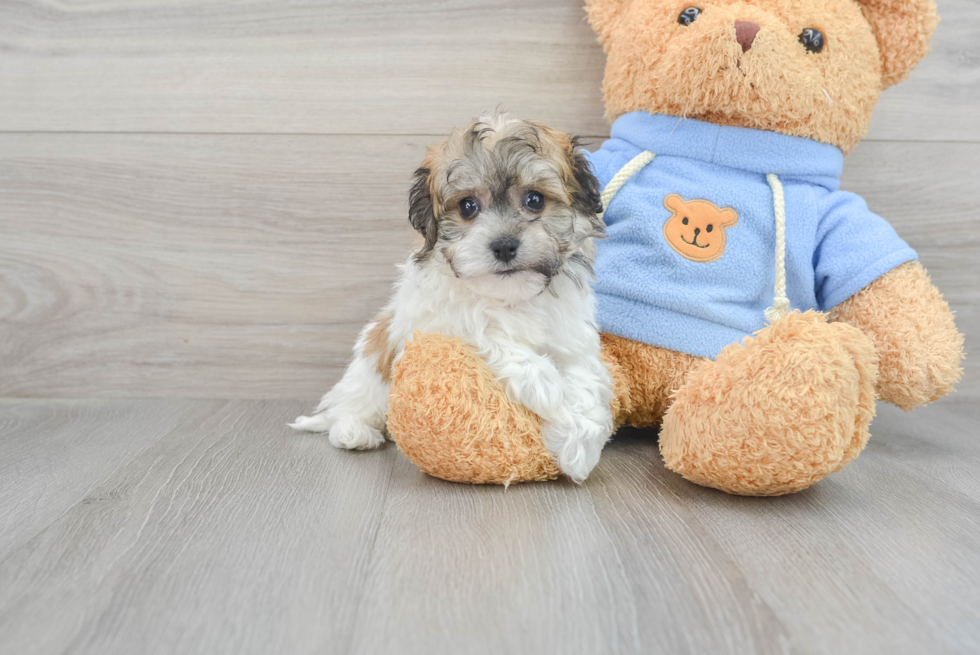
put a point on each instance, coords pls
(651, 291)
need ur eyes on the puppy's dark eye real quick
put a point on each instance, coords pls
(534, 201)
(684, 221)
(709, 228)
(469, 208)
(688, 16)
(812, 39)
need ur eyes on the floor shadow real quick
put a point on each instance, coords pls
(628, 436)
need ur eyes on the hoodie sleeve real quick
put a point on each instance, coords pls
(854, 247)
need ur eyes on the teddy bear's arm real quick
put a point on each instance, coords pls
(919, 348)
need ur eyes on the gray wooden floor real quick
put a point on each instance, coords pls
(162, 526)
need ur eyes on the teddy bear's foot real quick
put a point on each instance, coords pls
(777, 414)
(452, 419)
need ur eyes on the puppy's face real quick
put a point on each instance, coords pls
(507, 205)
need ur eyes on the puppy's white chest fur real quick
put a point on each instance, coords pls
(555, 322)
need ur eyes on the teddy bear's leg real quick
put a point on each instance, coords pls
(777, 413)
(452, 419)
(919, 348)
(644, 377)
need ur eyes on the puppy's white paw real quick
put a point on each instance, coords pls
(350, 433)
(577, 459)
(316, 423)
(538, 387)
(576, 444)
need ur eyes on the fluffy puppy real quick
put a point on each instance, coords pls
(507, 210)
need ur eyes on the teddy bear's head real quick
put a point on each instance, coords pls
(810, 68)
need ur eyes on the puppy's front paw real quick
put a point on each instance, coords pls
(538, 387)
(576, 443)
(350, 433)
(317, 423)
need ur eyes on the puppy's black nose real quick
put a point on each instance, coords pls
(505, 248)
(697, 231)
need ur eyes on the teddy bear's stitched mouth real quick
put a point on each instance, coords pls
(738, 67)
(694, 243)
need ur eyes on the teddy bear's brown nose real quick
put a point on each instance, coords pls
(745, 32)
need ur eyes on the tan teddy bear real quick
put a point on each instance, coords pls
(724, 218)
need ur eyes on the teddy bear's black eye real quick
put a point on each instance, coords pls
(469, 208)
(812, 39)
(709, 228)
(684, 221)
(688, 16)
(534, 201)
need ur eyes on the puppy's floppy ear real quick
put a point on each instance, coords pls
(421, 212)
(587, 197)
(604, 16)
(903, 29)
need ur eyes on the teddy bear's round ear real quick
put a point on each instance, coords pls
(903, 29)
(603, 15)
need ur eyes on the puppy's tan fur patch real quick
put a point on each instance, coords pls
(378, 344)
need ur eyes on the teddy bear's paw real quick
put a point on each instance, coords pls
(453, 420)
(576, 441)
(777, 414)
(915, 335)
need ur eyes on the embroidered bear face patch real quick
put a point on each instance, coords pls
(696, 228)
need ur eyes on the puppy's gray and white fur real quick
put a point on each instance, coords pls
(507, 210)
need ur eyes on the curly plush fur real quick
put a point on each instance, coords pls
(912, 328)
(644, 378)
(769, 417)
(792, 404)
(453, 420)
(655, 67)
(776, 414)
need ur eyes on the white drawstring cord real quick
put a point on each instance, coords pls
(625, 173)
(780, 303)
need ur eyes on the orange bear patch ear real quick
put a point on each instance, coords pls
(729, 216)
(674, 202)
(903, 29)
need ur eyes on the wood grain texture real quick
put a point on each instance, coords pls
(367, 67)
(243, 266)
(233, 534)
(246, 535)
(897, 528)
(54, 452)
(199, 266)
